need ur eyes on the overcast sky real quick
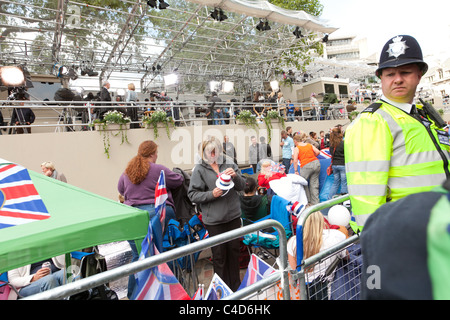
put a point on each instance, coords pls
(378, 21)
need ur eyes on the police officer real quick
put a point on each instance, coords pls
(394, 147)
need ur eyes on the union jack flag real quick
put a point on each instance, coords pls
(20, 202)
(160, 199)
(157, 283)
(324, 154)
(198, 295)
(256, 271)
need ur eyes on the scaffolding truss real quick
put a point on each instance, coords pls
(134, 38)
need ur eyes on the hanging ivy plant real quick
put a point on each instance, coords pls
(112, 121)
(158, 117)
(247, 118)
(272, 115)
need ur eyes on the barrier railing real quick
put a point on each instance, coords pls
(134, 267)
(305, 264)
(79, 115)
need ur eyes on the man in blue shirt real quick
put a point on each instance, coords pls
(286, 144)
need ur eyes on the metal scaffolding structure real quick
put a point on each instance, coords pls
(137, 37)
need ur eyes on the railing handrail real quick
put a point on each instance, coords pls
(134, 267)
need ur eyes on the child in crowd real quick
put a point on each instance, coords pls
(253, 206)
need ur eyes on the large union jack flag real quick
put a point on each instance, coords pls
(20, 202)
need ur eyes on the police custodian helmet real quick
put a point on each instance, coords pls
(399, 51)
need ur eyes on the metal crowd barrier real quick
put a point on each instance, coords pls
(282, 273)
(346, 255)
(284, 284)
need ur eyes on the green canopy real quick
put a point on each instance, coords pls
(78, 219)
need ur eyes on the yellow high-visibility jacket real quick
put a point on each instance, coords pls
(389, 154)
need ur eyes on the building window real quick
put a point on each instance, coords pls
(347, 55)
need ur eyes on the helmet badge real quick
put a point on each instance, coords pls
(397, 47)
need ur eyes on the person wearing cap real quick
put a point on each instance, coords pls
(395, 147)
(214, 187)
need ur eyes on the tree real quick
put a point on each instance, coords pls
(313, 7)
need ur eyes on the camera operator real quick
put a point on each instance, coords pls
(22, 116)
(1, 122)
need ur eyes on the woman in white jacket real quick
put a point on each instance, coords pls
(30, 282)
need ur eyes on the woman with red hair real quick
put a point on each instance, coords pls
(137, 186)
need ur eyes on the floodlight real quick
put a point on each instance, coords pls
(170, 79)
(325, 38)
(152, 3)
(266, 26)
(12, 76)
(227, 86)
(274, 85)
(214, 86)
(163, 5)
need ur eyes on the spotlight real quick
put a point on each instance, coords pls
(263, 26)
(325, 38)
(227, 86)
(89, 71)
(214, 86)
(152, 3)
(274, 85)
(222, 15)
(72, 74)
(170, 79)
(297, 33)
(218, 15)
(163, 5)
(260, 26)
(59, 70)
(215, 14)
(12, 77)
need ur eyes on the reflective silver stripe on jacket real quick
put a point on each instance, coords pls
(361, 219)
(399, 156)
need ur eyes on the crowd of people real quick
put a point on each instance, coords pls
(217, 112)
(225, 197)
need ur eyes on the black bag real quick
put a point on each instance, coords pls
(90, 265)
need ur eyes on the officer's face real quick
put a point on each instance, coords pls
(399, 84)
